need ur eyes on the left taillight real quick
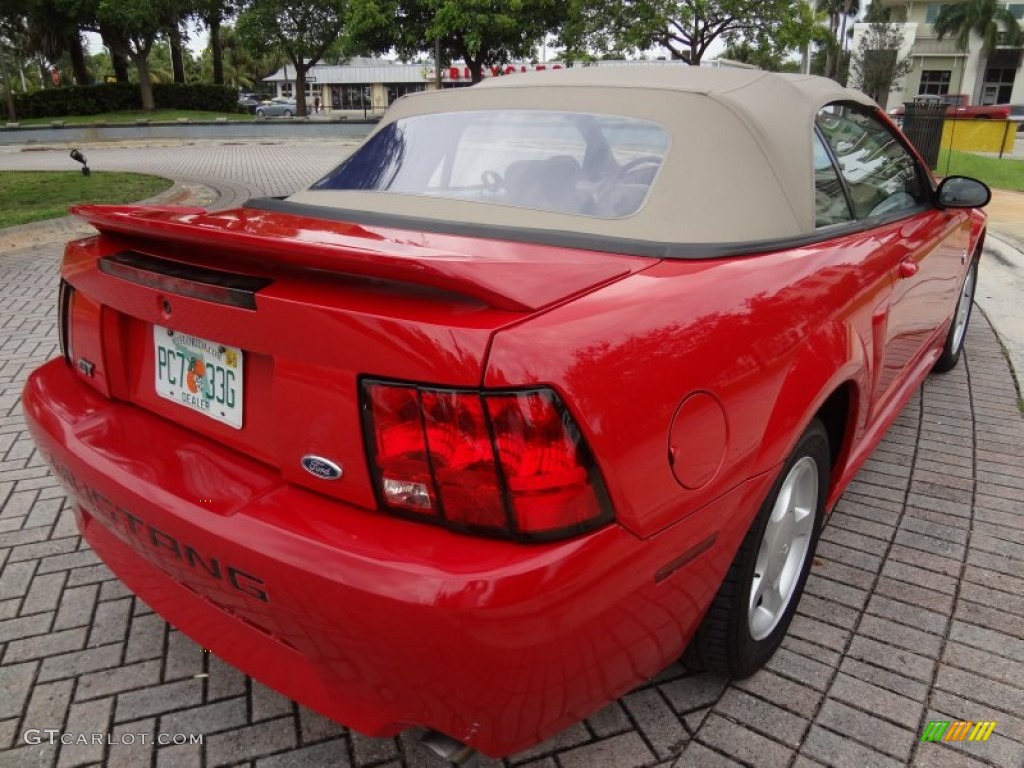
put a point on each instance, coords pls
(65, 297)
(510, 463)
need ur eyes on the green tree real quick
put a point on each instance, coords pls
(101, 65)
(984, 18)
(131, 27)
(687, 28)
(876, 66)
(830, 56)
(240, 67)
(161, 63)
(480, 32)
(876, 12)
(12, 30)
(302, 30)
(213, 13)
(176, 39)
(992, 22)
(839, 14)
(761, 57)
(54, 29)
(773, 55)
(115, 42)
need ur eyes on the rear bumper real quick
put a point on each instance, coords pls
(378, 623)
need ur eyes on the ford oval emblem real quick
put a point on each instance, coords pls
(320, 467)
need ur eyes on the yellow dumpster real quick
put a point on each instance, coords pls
(978, 135)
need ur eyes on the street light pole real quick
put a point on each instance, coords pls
(437, 63)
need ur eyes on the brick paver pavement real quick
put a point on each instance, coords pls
(914, 610)
(239, 169)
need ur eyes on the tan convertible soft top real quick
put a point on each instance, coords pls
(738, 169)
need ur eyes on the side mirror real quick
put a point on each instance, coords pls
(962, 192)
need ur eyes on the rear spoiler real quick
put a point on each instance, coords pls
(516, 277)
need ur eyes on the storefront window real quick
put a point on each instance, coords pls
(397, 91)
(998, 85)
(935, 82)
(353, 97)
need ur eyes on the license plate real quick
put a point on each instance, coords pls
(199, 374)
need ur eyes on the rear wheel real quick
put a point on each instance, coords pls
(287, 113)
(961, 319)
(753, 608)
(261, 115)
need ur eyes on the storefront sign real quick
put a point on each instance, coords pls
(455, 73)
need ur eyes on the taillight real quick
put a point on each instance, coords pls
(403, 473)
(65, 295)
(511, 464)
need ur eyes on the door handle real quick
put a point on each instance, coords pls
(908, 267)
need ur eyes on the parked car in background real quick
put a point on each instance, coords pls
(279, 106)
(958, 105)
(248, 102)
(1017, 115)
(552, 379)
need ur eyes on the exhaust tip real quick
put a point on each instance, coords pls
(455, 752)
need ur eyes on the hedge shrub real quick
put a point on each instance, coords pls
(119, 97)
(209, 98)
(78, 100)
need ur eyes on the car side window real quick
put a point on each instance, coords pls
(830, 203)
(881, 175)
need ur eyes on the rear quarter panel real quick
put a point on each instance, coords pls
(769, 336)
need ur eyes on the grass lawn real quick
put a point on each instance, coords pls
(36, 195)
(161, 115)
(998, 174)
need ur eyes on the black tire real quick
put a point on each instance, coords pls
(725, 643)
(261, 115)
(954, 344)
(287, 113)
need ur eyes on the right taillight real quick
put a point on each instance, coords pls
(506, 463)
(65, 295)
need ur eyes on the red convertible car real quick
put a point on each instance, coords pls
(551, 379)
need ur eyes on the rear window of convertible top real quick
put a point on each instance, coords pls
(565, 162)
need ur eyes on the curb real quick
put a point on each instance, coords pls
(997, 296)
(258, 130)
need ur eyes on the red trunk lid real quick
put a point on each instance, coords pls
(312, 305)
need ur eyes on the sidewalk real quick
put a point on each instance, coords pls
(913, 611)
(1000, 291)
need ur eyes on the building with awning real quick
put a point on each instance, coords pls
(365, 85)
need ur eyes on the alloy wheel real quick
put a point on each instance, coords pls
(784, 547)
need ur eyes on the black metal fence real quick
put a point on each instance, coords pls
(922, 124)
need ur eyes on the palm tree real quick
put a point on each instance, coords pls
(53, 32)
(213, 13)
(984, 18)
(839, 13)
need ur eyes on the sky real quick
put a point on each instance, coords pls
(196, 42)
